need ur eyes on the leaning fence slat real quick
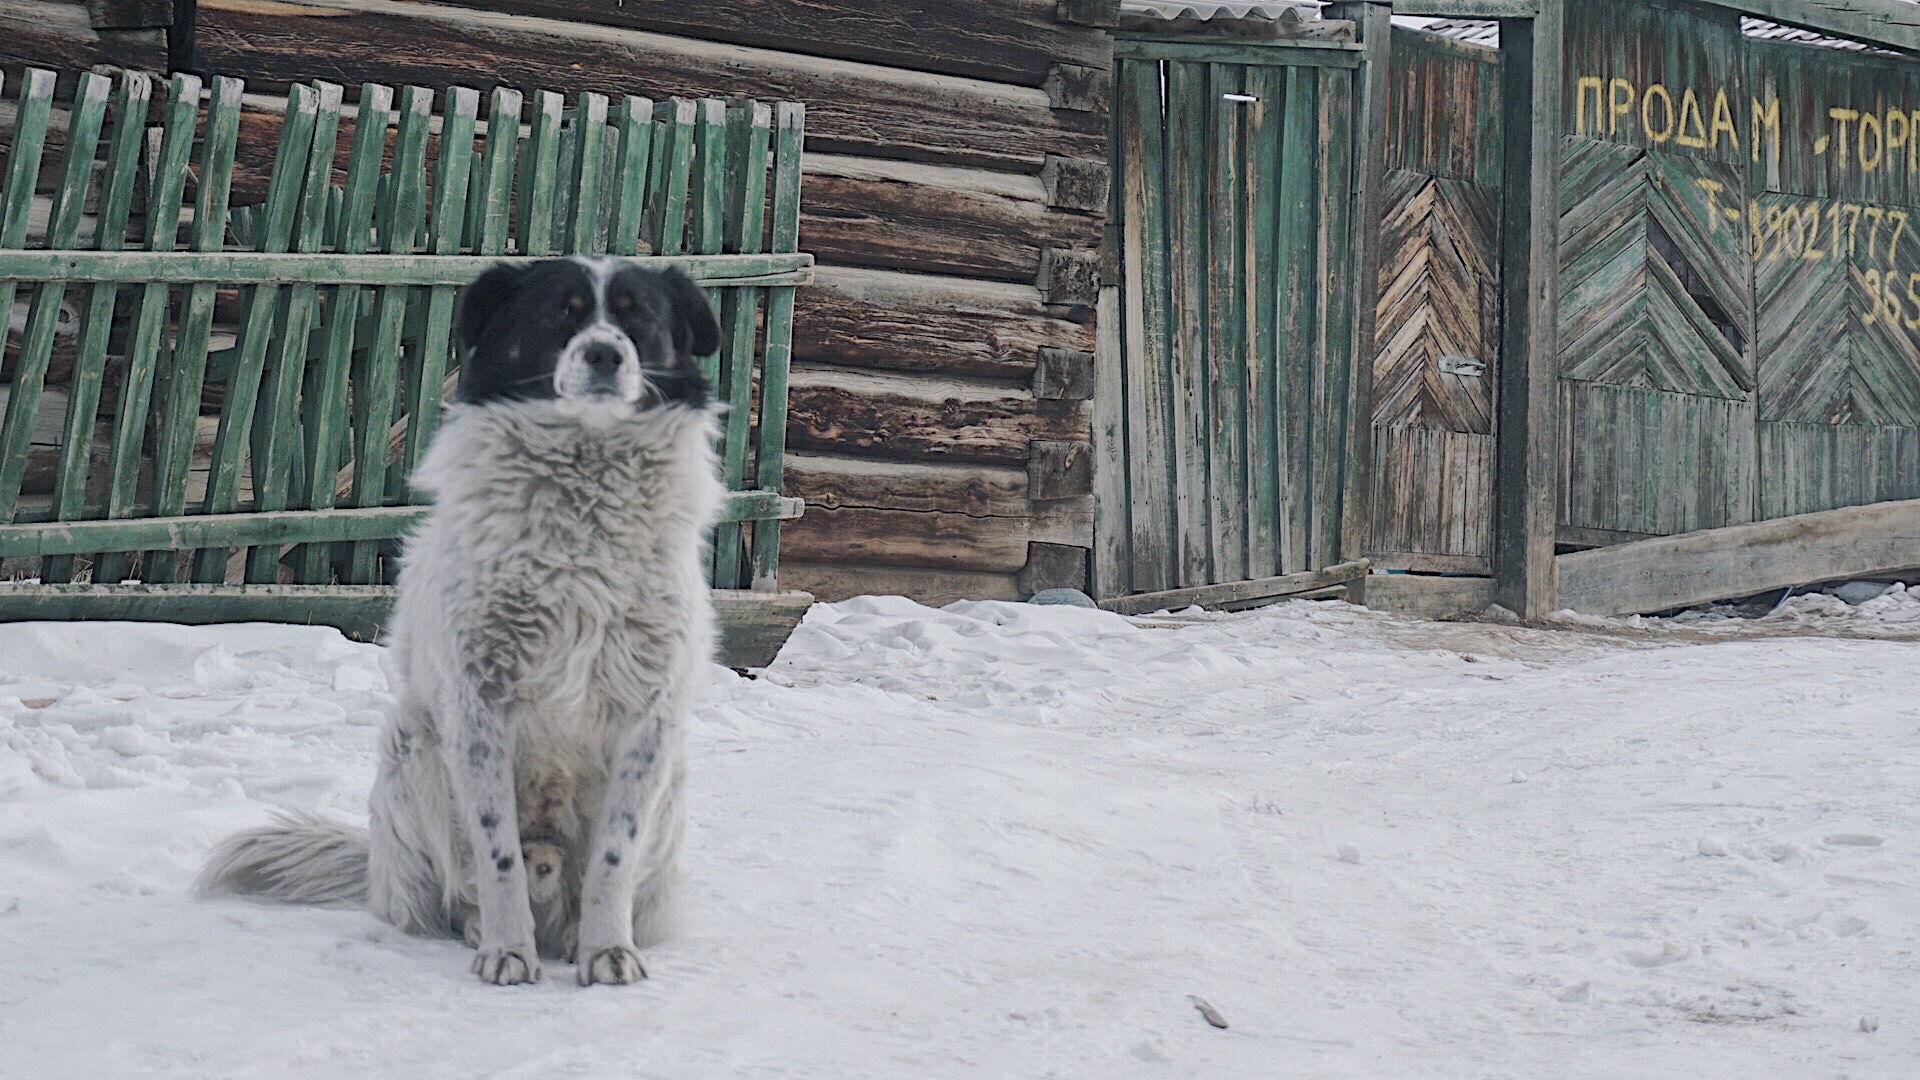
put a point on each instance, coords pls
(539, 168)
(23, 167)
(495, 205)
(180, 410)
(257, 325)
(589, 160)
(325, 400)
(424, 389)
(166, 188)
(1224, 326)
(376, 389)
(771, 448)
(630, 176)
(43, 314)
(110, 233)
(676, 166)
(276, 430)
(748, 129)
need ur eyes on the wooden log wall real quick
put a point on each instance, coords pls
(954, 195)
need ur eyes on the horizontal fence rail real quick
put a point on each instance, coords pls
(221, 369)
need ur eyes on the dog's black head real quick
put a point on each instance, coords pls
(585, 328)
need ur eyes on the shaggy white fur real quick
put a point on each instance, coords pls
(552, 627)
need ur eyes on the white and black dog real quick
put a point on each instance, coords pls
(552, 625)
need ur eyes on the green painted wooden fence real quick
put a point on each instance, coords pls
(337, 293)
(1222, 417)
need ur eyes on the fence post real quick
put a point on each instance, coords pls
(1374, 22)
(1526, 448)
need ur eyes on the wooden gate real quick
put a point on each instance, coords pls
(236, 422)
(1222, 442)
(1437, 339)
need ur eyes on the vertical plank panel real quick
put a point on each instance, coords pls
(1333, 352)
(1259, 220)
(749, 127)
(166, 190)
(1226, 433)
(427, 385)
(180, 406)
(110, 233)
(1189, 169)
(326, 397)
(1144, 153)
(276, 434)
(1298, 312)
(630, 175)
(789, 127)
(43, 311)
(399, 224)
(258, 324)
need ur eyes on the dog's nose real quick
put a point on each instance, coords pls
(602, 357)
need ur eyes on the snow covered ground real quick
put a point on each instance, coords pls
(1004, 840)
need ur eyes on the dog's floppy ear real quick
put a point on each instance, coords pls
(482, 299)
(695, 330)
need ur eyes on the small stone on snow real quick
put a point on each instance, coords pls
(1348, 853)
(1712, 845)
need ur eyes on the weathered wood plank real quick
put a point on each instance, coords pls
(1422, 596)
(325, 268)
(933, 219)
(1002, 40)
(1238, 592)
(926, 419)
(839, 581)
(192, 531)
(932, 325)
(1527, 443)
(60, 36)
(753, 625)
(855, 108)
(1740, 560)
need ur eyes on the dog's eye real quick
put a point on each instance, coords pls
(577, 304)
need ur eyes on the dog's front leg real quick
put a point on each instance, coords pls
(480, 761)
(617, 855)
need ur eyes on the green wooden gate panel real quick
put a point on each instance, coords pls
(337, 292)
(1233, 175)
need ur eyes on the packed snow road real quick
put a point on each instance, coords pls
(1001, 840)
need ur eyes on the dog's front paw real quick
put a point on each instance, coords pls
(507, 965)
(618, 965)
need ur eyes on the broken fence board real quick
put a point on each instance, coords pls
(1716, 564)
(1238, 592)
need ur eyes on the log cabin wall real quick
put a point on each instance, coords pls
(954, 195)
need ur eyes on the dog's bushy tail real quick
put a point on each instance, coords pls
(300, 859)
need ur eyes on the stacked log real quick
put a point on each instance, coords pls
(954, 196)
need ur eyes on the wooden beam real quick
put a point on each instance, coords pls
(257, 267)
(1894, 24)
(1718, 564)
(1526, 468)
(1375, 22)
(852, 107)
(945, 326)
(1425, 596)
(753, 625)
(923, 419)
(934, 219)
(281, 527)
(1238, 592)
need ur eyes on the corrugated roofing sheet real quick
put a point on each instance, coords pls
(1190, 9)
(1488, 33)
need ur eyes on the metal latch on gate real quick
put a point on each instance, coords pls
(1464, 366)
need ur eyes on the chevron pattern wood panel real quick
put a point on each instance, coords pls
(1834, 349)
(1434, 370)
(1438, 290)
(1653, 277)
